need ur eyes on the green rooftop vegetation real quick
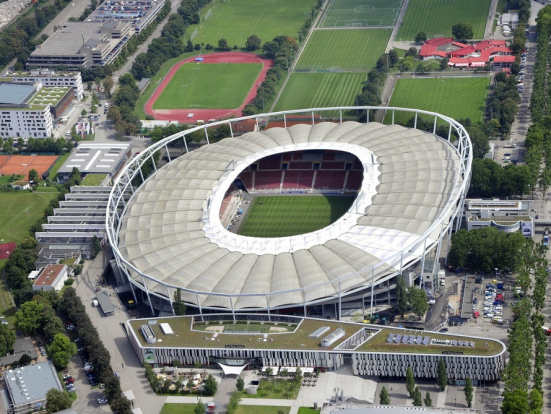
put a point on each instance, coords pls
(283, 335)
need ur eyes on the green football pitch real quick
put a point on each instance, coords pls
(362, 13)
(454, 97)
(281, 216)
(209, 86)
(235, 20)
(319, 90)
(436, 17)
(346, 49)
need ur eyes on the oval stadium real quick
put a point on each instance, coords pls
(289, 218)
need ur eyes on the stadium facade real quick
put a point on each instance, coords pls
(410, 191)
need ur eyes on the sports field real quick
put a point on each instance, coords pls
(454, 97)
(436, 17)
(347, 49)
(318, 90)
(210, 86)
(361, 13)
(235, 20)
(20, 210)
(291, 215)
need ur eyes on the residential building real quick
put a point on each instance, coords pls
(50, 78)
(20, 347)
(52, 277)
(26, 387)
(78, 45)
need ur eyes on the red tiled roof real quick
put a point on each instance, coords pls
(430, 47)
(48, 275)
(504, 59)
(487, 49)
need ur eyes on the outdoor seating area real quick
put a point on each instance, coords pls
(184, 377)
(309, 375)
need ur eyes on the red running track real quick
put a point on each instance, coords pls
(183, 115)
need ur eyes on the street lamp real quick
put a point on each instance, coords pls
(497, 270)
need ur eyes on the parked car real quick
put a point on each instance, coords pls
(475, 301)
(488, 315)
(102, 400)
(444, 330)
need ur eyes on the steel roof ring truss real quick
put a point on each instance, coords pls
(168, 235)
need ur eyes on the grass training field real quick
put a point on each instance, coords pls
(20, 210)
(235, 20)
(209, 86)
(291, 215)
(318, 90)
(362, 13)
(176, 408)
(436, 17)
(454, 97)
(347, 49)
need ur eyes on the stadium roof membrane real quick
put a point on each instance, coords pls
(171, 231)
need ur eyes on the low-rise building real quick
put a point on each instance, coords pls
(20, 185)
(27, 110)
(20, 347)
(52, 277)
(234, 342)
(79, 45)
(138, 14)
(50, 78)
(26, 387)
(510, 19)
(506, 215)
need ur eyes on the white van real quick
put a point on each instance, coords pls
(95, 303)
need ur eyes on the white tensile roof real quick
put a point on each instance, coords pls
(171, 231)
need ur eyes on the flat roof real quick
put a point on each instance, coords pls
(15, 94)
(48, 275)
(31, 383)
(68, 39)
(105, 303)
(95, 158)
(294, 333)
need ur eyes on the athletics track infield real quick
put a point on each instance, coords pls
(182, 115)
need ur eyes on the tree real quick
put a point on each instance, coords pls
(393, 57)
(417, 399)
(89, 85)
(412, 52)
(479, 140)
(234, 403)
(253, 43)
(515, 402)
(462, 31)
(417, 298)
(211, 385)
(269, 372)
(108, 85)
(442, 375)
(33, 176)
(240, 384)
(384, 399)
(28, 318)
(401, 294)
(57, 400)
(24, 360)
(223, 44)
(83, 112)
(270, 49)
(199, 408)
(96, 247)
(61, 351)
(421, 37)
(444, 64)
(469, 392)
(535, 401)
(427, 400)
(176, 363)
(7, 339)
(178, 304)
(410, 382)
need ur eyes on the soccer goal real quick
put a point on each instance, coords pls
(194, 106)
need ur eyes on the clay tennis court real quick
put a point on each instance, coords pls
(6, 249)
(183, 115)
(22, 164)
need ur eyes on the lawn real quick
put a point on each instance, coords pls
(275, 388)
(291, 215)
(210, 86)
(436, 17)
(308, 410)
(318, 90)
(235, 20)
(347, 49)
(60, 161)
(174, 408)
(260, 409)
(364, 13)
(20, 210)
(93, 179)
(454, 97)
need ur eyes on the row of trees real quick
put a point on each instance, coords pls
(523, 375)
(489, 179)
(540, 94)
(72, 306)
